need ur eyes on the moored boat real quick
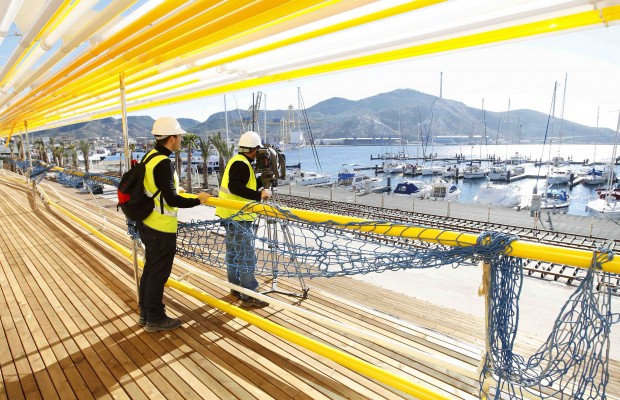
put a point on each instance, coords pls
(498, 195)
(413, 188)
(607, 207)
(444, 190)
(474, 171)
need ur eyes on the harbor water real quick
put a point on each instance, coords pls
(332, 158)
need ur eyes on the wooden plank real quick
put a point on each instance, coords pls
(21, 346)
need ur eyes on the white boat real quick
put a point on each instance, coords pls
(347, 173)
(450, 171)
(96, 154)
(559, 161)
(474, 171)
(559, 176)
(498, 172)
(412, 169)
(433, 169)
(609, 208)
(608, 204)
(597, 176)
(444, 190)
(555, 199)
(516, 170)
(417, 189)
(516, 159)
(498, 195)
(307, 178)
(393, 168)
(364, 183)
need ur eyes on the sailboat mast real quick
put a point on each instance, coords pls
(509, 131)
(265, 121)
(610, 178)
(560, 133)
(598, 112)
(226, 119)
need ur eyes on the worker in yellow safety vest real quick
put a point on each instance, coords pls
(239, 183)
(158, 231)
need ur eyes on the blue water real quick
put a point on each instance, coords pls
(332, 157)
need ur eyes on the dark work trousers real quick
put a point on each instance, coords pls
(159, 248)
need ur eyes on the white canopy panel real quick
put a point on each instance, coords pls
(68, 64)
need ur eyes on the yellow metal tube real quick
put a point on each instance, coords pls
(519, 248)
(333, 354)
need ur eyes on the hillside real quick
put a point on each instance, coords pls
(413, 114)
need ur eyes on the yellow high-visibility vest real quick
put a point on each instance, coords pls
(163, 220)
(224, 212)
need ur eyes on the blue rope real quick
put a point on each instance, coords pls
(572, 363)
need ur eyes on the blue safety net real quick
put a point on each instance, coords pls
(571, 364)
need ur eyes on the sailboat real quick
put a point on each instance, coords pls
(596, 176)
(559, 172)
(609, 205)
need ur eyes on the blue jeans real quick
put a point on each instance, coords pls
(240, 257)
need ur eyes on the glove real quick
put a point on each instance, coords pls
(265, 194)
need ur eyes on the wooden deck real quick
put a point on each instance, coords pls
(67, 310)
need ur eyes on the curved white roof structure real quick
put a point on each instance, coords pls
(72, 55)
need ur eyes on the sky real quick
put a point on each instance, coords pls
(524, 72)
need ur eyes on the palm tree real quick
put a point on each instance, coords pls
(85, 149)
(177, 161)
(226, 152)
(57, 154)
(190, 141)
(39, 145)
(71, 151)
(205, 147)
(132, 148)
(20, 150)
(50, 147)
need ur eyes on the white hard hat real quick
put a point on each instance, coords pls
(250, 140)
(167, 126)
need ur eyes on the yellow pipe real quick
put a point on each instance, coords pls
(51, 24)
(518, 248)
(324, 350)
(605, 15)
(95, 85)
(331, 353)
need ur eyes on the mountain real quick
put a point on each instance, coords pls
(111, 128)
(415, 115)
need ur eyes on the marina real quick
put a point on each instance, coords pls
(388, 242)
(533, 176)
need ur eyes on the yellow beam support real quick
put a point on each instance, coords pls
(518, 248)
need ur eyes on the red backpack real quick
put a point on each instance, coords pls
(132, 198)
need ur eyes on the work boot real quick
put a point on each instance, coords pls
(235, 294)
(142, 318)
(165, 324)
(253, 303)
